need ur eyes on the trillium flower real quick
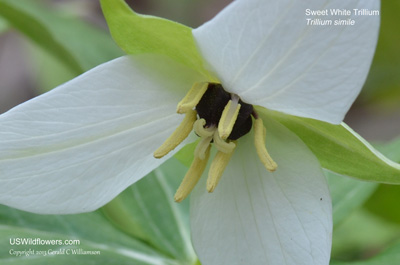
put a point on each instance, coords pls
(263, 198)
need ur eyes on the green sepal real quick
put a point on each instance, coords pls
(137, 34)
(340, 149)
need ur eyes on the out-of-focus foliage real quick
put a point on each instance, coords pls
(48, 71)
(375, 226)
(3, 25)
(186, 154)
(385, 201)
(93, 230)
(75, 43)
(391, 150)
(366, 232)
(347, 195)
(391, 256)
(146, 210)
(383, 83)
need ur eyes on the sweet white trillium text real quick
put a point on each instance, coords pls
(338, 17)
(78, 146)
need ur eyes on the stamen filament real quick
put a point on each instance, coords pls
(192, 176)
(201, 147)
(223, 146)
(217, 168)
(192, 98)
(228, 118)
(200, 130)
(178, 135)
(259, 142)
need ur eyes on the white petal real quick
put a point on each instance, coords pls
(257, 217)
(78, 146)
(264, 51)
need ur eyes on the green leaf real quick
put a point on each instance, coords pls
(391, 256)
(137, 34)
(93, 231)
(146, 210)
(340, 149)
(75, 43)
(347, 195)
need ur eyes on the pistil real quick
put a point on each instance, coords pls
(201, 131)
(219, 119)
(223, 146)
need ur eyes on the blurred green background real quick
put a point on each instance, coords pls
(27, 69)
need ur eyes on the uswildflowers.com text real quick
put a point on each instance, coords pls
(17, 241)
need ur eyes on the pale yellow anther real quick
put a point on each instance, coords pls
(217, 168)
(228, 119)
(223, 146)
(192, 177)
(202, 147)
(259, 142)
(200, 130)
(178, 135)
(192, 98)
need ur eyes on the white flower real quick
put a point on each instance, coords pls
(75, 148)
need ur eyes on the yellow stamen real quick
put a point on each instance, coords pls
(259, 142)
(192, 98)
(200, 130)
(192, 177)
(178, 135)
(223, 146)
(228, 118)
(217, 168)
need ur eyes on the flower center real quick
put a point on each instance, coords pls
(226, 111)
(218, 118)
